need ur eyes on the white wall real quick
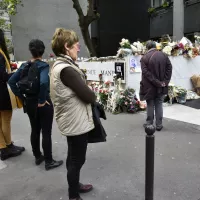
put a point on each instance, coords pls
(183, 70)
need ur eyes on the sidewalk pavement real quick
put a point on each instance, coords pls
(115, 168)
(182, 113)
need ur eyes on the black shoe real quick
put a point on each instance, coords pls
(39, 160)
(79, 198)
(159, 128)
(9, 153)
(12, 146)
(53, 164)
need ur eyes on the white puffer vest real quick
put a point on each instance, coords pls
(73, 116)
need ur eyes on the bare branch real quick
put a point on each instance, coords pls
(90, 10)
(78, 8)
(91, 13)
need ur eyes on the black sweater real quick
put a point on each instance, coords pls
(72, 79)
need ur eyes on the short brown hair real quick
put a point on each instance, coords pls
(60, 38)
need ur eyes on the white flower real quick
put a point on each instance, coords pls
(134, 49)
(167, 50)
(171, 44)
(197, 37)
(190, 53)
(124, 42)
(135, 43)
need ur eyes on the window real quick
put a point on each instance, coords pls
(158, 3)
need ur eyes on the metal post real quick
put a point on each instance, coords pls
(149, 171)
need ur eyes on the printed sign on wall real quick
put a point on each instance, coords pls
(134, 64)
(120, 70)
(107, 69)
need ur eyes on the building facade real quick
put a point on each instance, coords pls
(130, 19)
(39, 19)
(119, 19)
(178, 19)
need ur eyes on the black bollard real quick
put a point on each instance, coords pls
(149, 171)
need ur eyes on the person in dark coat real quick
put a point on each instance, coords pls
(156, 75)
(7, 148)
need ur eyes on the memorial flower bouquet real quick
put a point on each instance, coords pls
(167, 50)
(128, 101)
(177, 49)
(125, 44)
(197, 39)
(107, 84)
(103, 96)
(180, 94)
(125, 48)
(138, 48)
(195, 52)
(179, 91)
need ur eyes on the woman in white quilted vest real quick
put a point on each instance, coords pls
(72, 100)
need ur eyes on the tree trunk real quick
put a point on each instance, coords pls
(84, 22)
(88, 41)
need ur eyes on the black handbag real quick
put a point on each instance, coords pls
(98, 134)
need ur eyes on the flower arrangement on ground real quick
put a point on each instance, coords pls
(103, 96)
(128, 102)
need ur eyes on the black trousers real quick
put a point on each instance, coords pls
(41, 119)
(77, 147)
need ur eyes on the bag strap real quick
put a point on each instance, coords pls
(152, 56)
(7, 62)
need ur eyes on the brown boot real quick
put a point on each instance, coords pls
(85, 188)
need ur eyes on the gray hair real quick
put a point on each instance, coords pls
(150, 45)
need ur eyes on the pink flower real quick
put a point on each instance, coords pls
(126, 103)
(107, 82)
(181, 46)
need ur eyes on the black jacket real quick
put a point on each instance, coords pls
(98, 134)
(5, 103)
